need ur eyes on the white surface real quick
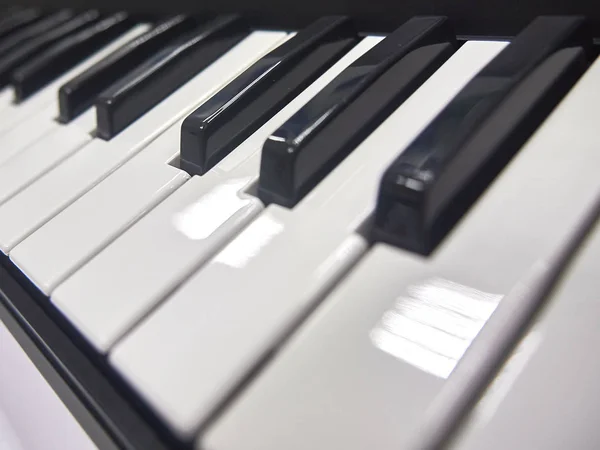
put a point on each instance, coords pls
(334, 378)
(38, 126)
(29, 164)
(29, 130)
(190, 226)
(39, 202)
(15, 114)
(250, 294)
(70, 239)
(6, 98)
(222, 337)
(376, 355)
(32, 417)
(546, 396)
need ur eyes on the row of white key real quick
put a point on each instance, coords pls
(544, 397)
(270, 275)
(365, 369)
(191, 226)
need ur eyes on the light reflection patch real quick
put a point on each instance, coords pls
(432, 326)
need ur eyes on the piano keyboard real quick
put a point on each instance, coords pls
(306, 239)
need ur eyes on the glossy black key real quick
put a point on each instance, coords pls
(35, 29)
(245, 104)
(16, 19)
(38, 44)
(437, 178)
(323, 132)
(65, 54)
(79, 93)
(150, 83)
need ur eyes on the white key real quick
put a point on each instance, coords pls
(6, 98)
(260, 321)
(75, 235)
(27, 165)
(57, 189)
(191, 226)
(366, 369)
(250, 294)
(38, 126)
(545, 396)
(16, 114)
(334, 378)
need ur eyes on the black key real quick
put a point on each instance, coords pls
(35, 29)
(38, 44)
(79, 94)
(323, 132)
(150, 83)
(65, 54)
(17, 19)
(212, 131)
(437, 178)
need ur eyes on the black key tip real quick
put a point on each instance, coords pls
(106, 120)
(400, 217)
(277, 172)
(66, 113)
(193, 146)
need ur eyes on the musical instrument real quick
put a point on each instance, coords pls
(225, 230)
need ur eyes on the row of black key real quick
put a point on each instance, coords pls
(433, 182)
(65, 54)
(128, 82)
(79, 93)
(147, 85)
(422, 194)
(436, 179)
(14, 19)
(36, 45)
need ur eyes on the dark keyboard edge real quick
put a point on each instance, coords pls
(65, 361)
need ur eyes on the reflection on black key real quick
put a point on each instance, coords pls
(38, 44)
(435, 180)
(80, 92)
(15, 20)
(146, 86)
(323, 132)
(35, 29)
(65, 54)
(245, 104)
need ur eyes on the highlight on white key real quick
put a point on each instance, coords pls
(201, 219)
(433, 325)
